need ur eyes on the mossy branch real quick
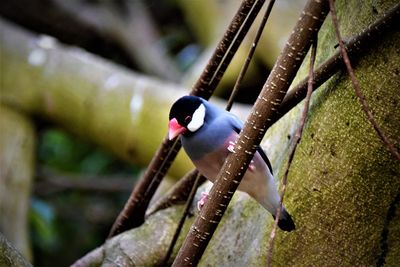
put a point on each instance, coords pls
(9, 256)
(364, 104)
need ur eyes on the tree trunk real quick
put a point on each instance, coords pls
(344, 185)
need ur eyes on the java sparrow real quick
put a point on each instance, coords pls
(208, 135)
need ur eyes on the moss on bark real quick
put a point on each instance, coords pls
(343, 180)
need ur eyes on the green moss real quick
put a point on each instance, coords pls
(148, 244)
(343, 180)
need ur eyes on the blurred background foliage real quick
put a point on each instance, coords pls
(80, 188)
(67, 219)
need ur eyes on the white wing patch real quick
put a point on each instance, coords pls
(197, 119)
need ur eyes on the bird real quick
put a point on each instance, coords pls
(208, 134)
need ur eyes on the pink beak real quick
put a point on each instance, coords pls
(174, 129)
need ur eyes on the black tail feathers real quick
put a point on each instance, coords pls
(285, 221)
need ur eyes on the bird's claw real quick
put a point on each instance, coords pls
(202, 201)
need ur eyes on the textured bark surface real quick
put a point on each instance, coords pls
(147, 244)
(343, 181)
(9, 256)
(17, 147)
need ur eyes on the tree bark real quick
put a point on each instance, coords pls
(343, 185)
(9, 256)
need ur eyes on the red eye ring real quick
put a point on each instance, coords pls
(188, 119)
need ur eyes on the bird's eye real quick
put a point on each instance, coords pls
(188, 119)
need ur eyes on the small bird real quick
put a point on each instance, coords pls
(208, 135)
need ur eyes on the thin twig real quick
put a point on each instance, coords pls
(240, 25)
(177, 195)
(51, 181)
(246, 64)
(133, 213)
(295, 142)
(184, 216)
(357, 88)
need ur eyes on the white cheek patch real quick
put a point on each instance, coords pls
(197, 119)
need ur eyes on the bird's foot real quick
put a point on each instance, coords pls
(231, 147)
(202, 201)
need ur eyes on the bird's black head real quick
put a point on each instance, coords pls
(183, 109)
(186, 115)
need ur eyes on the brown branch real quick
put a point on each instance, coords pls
(132, 29)
(93, 258)
(51, 181)
(236, 32)
(295, 142)
(271, 95)
(133, 212)
(177, 195)
(250, 54)
(357, 88)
